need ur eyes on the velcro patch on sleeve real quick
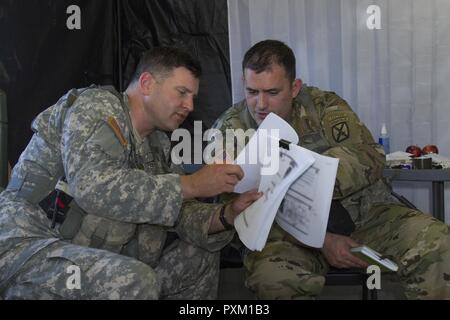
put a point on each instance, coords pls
(112, 122)
(342, 126)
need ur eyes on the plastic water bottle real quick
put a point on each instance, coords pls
(384, 139)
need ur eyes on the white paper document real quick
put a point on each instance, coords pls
(254, 224)
(252, 169)
(307, 203)
(304, 183)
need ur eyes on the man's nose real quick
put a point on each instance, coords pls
(188, 104)
(261, 101)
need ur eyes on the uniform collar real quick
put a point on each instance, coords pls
(136, 136)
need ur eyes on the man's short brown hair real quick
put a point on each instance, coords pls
(161, 61)
(264, 54)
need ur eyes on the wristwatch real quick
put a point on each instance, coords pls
(223, 220)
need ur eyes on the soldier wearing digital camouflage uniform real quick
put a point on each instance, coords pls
(285, 269)
(133, 228)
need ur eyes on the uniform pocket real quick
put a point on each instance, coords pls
(102, 233)
(73, 221)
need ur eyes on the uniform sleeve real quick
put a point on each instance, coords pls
(95, 162)
(361, 160)
(224, 145)
(195, 218)
(216, 149)
(193, 226)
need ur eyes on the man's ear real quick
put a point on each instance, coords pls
(296, 87)
(146, 83)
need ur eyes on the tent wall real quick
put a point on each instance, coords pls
(41, 59)
(201, 27)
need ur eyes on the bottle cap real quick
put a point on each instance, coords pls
(383, 129)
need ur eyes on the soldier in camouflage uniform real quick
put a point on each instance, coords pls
(285, 269)
(133, 229)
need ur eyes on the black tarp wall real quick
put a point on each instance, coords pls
(42, 59)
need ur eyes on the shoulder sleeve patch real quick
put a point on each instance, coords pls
(112, 122)
(107, 139)
(342, 127)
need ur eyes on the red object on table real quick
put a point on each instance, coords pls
(414, 150)
(431, 148)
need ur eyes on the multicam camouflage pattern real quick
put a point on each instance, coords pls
(295, 272)
(131, 198)
(419, 243)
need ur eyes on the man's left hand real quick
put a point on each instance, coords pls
(336, 250)
(242, 202)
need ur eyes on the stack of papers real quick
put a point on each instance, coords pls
(298, 195)
(439, 160)
(398, 158)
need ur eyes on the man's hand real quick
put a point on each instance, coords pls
(233, 209)
(336, 250)
(241, 203)
(211, 180)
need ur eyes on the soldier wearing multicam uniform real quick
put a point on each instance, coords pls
(326, 124)
(127, 204)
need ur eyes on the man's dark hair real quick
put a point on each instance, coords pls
(264, 54)
(161, 61)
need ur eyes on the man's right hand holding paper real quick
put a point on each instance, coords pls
(211, 180)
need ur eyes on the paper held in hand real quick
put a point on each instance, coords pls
(298, 195)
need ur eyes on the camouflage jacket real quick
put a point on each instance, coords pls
(326, 124)
(124, 183)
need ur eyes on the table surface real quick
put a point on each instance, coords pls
(418, 175)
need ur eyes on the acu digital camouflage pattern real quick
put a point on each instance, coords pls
(418, 243)
(132, 201)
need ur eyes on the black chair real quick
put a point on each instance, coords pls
(231, 257)
(351, 277)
